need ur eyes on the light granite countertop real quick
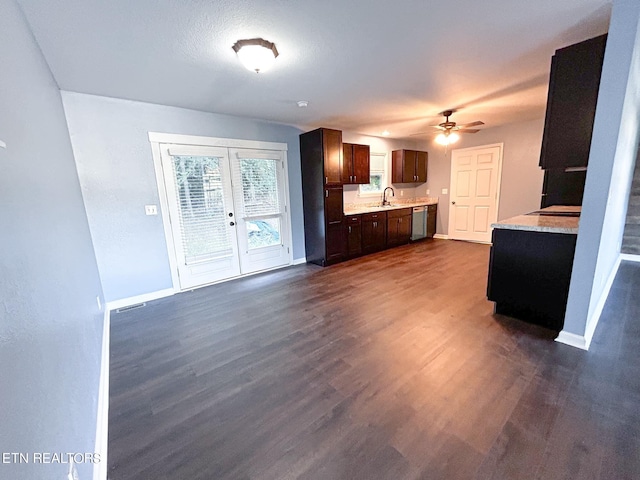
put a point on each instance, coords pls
(355, 209)
(535, 222)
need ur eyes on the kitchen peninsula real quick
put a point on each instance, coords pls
(530, 265)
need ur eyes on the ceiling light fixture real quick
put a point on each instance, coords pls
(256, 54)
(447, 137)
(302, 103)
(386, 133)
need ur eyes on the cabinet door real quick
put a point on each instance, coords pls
(332, 150)
(334, 243)
(361, 159)
(432, 212)
(422, 160)
(347, 163)
(571, 104)
(354, 235)
(404, 229)
(409, 166)
(374, 232)
(333, 211)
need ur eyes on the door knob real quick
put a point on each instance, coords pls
(231, 214)
(453, 203)
(231, 223)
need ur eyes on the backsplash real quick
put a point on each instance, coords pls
(393, 200)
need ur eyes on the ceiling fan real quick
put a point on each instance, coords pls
(448, 131)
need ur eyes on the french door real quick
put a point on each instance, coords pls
(227, 210)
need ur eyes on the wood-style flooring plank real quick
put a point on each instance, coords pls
(390, 366)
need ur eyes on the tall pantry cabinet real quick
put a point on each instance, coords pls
(321, 157)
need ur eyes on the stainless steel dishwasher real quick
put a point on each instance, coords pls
(419, 223)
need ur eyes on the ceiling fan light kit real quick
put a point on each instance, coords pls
(256, 54)
(447, 138)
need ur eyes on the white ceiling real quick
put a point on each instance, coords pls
(364, 65)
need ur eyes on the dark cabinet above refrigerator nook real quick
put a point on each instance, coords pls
(571, 107)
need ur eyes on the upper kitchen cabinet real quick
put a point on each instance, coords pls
(571, 104)
(325, 150)
(409, 166)
(355, 163)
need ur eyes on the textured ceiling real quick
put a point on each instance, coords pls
(364, 66)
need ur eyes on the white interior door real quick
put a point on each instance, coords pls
(475, 182)
(200, 201)
(260, 199)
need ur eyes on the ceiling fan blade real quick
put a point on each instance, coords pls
(423, 133)
(472, 124)
(468, 130)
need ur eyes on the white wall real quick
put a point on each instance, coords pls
(611, 162)
(50, 326)
(115, 165)
(521, 185)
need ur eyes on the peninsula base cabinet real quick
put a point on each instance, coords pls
(529, 275)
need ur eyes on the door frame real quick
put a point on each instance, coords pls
(157, 139)
(498, 186)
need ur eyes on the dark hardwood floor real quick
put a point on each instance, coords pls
(391, 366)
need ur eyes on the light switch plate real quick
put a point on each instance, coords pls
(2, 144)
(445, 191)
(151, 209)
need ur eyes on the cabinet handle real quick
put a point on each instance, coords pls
(349, 228)
(326, 180)
(355, 178)
(326, 193)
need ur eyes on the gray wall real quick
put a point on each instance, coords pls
(50, 326)
(521, 184)
(611, 161)
(113, 156)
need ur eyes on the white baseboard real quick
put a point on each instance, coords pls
(441, 236)
(629, 257)
(147, 297)
(584, 342)
(102, 421)
(299, 261)
(572, 340)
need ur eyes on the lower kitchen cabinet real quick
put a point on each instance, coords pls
(432, 212)
(398, 227)
(374, 232)
(529, 275)
(353, 226)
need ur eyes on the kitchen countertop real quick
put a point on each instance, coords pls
(355, 209)
(535, 222)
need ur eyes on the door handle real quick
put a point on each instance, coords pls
(231, 214)
(453, 203)
(231, 223)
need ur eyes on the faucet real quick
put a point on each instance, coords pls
(384, 196)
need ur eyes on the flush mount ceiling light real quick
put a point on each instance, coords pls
(447, 137)
(256, 54)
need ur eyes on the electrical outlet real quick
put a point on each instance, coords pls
(402, 193)
(151, 209)
(445, 191)
(428, 191)
(99, 302)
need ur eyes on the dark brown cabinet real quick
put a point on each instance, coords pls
(398, 227)
(374, 232)
(353, 226)
(409, 166)
(432, 213)
(321, 159)
(571, 104)
(355, 163)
